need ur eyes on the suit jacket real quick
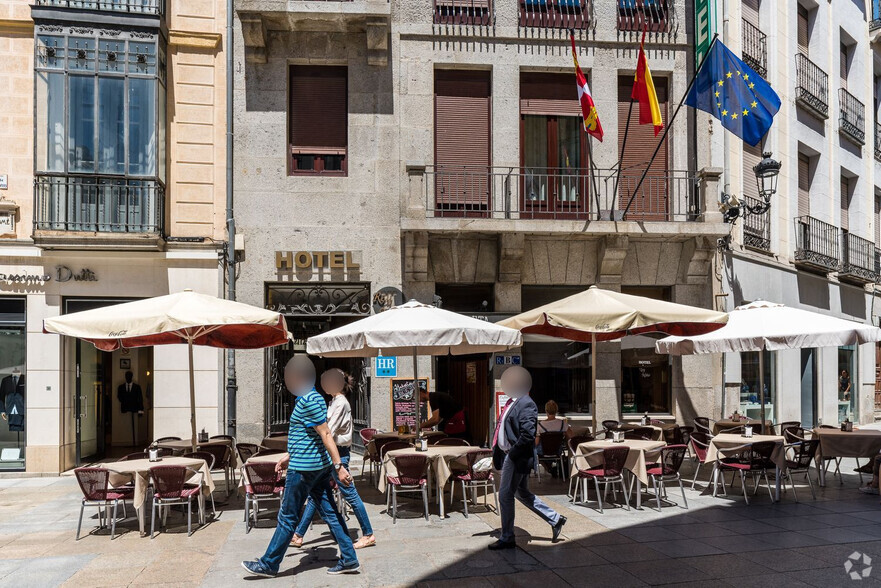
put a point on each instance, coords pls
(520, 423)
(7, 387)
(130, 401)
(12, 398)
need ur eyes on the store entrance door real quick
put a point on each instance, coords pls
(89, 401)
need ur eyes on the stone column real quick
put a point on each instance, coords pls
(709, 193)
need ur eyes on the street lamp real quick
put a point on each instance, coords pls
(733, 208)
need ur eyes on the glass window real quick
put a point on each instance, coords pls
(12, 384)
(560, 372)
(50, 122)
(81, 124)
(645, 381)
(847, 384)
(749, 384)
(111, 125)
(142, 147)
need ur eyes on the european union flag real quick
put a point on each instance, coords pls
(734, 93)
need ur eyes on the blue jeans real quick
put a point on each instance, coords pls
(299, 486)
(350, 493)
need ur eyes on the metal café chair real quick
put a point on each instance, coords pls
(209, 461)
(640, 434)
(170, 488)
(551, 443)
(262, 483)
(95, 486)
(611, 471)
(246, 451)
(411, 477)
(475, 480)
(667, 470)
(164, 439)
(702, 424)
(700, 445)
(451, 442)
(803, 456)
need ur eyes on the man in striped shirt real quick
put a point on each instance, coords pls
(312, 454)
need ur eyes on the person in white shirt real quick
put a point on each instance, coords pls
(337, 383)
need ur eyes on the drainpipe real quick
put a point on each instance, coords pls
(231, 386)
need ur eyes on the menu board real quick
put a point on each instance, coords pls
(404, 402)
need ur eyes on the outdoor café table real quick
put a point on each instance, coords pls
(837, 443)
(720, 443)
(657, 430)
(725, 424)
(185, 446)
(439, 458)
(635, 462)
(371, 445)
(122, 472)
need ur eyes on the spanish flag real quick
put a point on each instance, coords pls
(644, 92)
(592, 124)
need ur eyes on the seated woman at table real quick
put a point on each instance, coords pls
(872, 487)
(551, 424)
(337, 383)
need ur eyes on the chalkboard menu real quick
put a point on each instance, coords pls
(404, 402)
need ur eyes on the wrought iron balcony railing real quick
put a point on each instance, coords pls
(130, 6)
(858, 261)
(557, 14)
(655, 16)
(812, 86)
(464, 12)
(98, 204)
(550, 193)
(877, 142)
(816, 243)
(756, 227)
(755, 48)
(851, 117)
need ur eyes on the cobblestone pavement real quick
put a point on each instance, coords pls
(718, 542)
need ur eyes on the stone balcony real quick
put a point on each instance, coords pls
(372, 17)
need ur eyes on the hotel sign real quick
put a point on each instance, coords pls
(300, 260)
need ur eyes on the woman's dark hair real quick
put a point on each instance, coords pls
(348, 381)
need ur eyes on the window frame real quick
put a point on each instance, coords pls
(319, 154)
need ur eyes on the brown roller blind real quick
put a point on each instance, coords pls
(651, 203)
(549, 94)
(462, 136)
(751, 157)
(845, 204)
(318, 109)
(751, 12)
(804, 185)
(877, 221)
(842, 66)
(803, 39)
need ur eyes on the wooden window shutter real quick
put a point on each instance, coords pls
(803, 40)
(318, 109)
(651, 203)
(549, 94)
(804, 185)
(462, 136)
(842, 68)
(751, 157)
(750, 11)
(845, 204)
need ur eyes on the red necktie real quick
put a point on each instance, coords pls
(499, 423)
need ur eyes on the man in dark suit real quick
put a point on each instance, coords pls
(130, 397)
(12, 389)
(514, 456)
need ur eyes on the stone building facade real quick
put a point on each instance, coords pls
(461, 182)
(111, 188)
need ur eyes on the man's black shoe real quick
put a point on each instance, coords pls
(502, 545)
(558, 528)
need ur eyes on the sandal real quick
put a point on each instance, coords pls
(365, 541)
(296, 541)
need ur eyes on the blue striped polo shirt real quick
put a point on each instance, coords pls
(304, 444)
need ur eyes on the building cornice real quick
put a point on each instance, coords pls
(193, 39)
(16, 25)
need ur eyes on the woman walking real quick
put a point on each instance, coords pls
(337, 384)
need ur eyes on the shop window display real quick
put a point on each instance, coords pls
(13, 389)
(847, 384)
(750, 397)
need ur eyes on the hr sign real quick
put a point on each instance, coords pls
(386, 367)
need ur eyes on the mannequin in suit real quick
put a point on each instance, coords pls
(130, 396)
(12, 389)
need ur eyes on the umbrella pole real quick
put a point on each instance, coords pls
(762, 388)
(192, 393)
(593, 380)
(418, 398)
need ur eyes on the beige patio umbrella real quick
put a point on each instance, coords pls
(184, 317)
(603, 315)
(414, 329)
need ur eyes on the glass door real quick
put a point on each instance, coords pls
(808, 388)
(88, 400)
(555, 175)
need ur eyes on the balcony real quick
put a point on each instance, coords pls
(557, 194)
(125, 6)
(877, 142)
(557, 14)
(756, 228)
(816, 244)
(464, 12)
(858, 260)
(118, 211)
(812, 87)
(259, 17)
(755, 48)
(655, 16)
(851, 117)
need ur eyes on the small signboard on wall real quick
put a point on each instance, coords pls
(404, 402)
(386, 367)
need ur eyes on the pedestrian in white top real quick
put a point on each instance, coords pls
(337, 383)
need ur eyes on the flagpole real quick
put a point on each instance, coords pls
(591, 170)
(621, 159)
(667, 128)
